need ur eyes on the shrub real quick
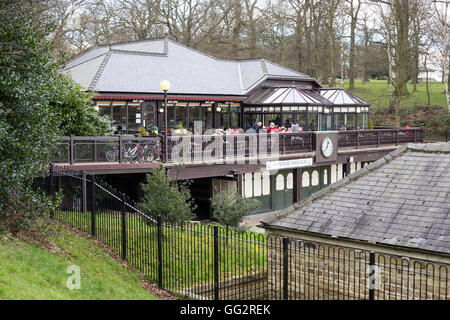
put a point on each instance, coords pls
(229, 208)
(167, 198)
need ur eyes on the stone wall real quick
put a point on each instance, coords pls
(320, 271)
(249, 287)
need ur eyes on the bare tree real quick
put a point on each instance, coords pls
(441, 10)
(355, 6)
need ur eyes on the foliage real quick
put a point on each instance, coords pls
(37, 104)
(75, 110)
(229, 207)
(370, 124)
(167, 198)
(28, 125)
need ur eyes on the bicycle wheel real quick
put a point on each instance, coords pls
(111, 156)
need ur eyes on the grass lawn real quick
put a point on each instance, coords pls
(376, 92)
(29, 272)
(187, 252)
(413, 108)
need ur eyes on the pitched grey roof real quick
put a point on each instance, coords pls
(402, 199)
(140, 67)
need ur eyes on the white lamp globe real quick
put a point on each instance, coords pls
(164, 85)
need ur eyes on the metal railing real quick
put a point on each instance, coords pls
(212, 262)
(129, 149)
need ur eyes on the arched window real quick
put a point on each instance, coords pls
(333, 173)
(305, 179)
(257, 184)
(315, 178)
(266, 183)
(325, 176)
(279, 182)
(248, 185)
(290, 181)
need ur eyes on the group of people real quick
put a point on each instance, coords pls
(294, 127)
(256, 127)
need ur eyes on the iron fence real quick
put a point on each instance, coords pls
(212, 262)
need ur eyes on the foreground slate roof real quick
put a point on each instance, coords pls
(139, 67)
(402, 199)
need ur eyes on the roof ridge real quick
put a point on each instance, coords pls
(264, 67)
(339, 184)
(286, 68)
(100, 71)
(80, 63)
(144, 53)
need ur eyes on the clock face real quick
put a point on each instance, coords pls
(327, 147)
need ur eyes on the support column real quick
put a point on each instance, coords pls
(297, 184)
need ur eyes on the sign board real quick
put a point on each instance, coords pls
(286, 164)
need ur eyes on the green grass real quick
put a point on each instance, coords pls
(376, 92)
(414, 110)
(187, 252)
(29, 272)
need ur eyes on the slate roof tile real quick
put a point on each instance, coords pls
(404, 201)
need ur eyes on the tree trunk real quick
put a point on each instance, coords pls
(351, 69)
(401, 8)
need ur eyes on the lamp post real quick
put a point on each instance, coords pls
(165, 86)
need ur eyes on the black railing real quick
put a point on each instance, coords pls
(129, 149)
(212, 262)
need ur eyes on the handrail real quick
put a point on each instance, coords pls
(128, 148)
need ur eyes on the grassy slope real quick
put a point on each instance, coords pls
(376, 92)
(413, 108)
(29, 272)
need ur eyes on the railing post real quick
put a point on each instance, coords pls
(216, 263)
(285, 268)
(378, 138)
(72, 156)
(357, 140)
(124, 227)
(160, 269)
(93, 229)
(120, 149)
(372, 275)
(396, 137)
(83, 193)
(52, 189)
(95, 149)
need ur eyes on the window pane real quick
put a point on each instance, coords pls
(339, 121)
(350, 121)
(119, 117)
(223, 116)
(275, 118)
(313, 124)
(134, 117)
(206, 117)
(257, 184)
(279, 182)
(194, 114)
(181, 115)
(104, 109)
(235, 117)
(266, 183)
(248, 185)
(250, 119)
(149, 116)
(290, 181)
(305, 179)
